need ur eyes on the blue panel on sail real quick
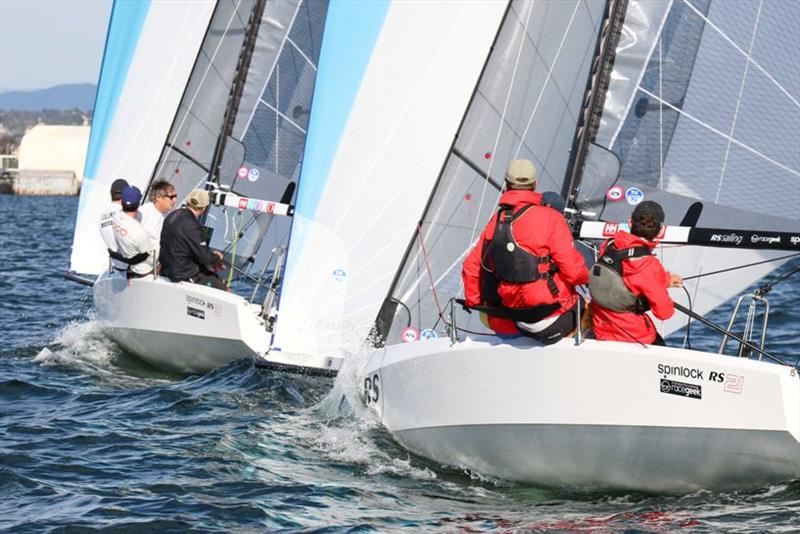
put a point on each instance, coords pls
(125, 27)
(351, 30)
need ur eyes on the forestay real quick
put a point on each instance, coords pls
(704, 104)
(393, 83)
(149, 53)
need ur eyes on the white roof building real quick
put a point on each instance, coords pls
(54, 148)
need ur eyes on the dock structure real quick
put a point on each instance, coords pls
(45, 182)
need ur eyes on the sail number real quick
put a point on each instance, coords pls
(372, 391)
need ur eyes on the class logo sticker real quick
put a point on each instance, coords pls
(409, 334)
(253, 175)
(428, 333)
(634, 195)
(339, 275)
(614, 194)
(242, 172)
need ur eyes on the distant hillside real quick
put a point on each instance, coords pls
(72, 96)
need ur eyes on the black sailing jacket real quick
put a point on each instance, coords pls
(183, 252)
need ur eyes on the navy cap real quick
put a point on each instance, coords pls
(116, 188)
(131, 197)
(649, 208)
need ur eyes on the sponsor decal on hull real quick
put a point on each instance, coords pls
(198, 304)
(682, 389)
(195, 312)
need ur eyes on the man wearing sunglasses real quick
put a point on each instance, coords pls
(162, 201)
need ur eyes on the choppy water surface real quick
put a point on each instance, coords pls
(92, 439)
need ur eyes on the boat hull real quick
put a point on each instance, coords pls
(178, 326)
(602, 415)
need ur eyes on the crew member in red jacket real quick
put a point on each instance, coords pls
(524, 268)
(618, 311)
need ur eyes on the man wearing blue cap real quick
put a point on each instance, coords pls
(134, 244)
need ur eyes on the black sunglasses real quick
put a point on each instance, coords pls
(171, 197)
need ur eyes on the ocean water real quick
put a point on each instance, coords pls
(91, 439)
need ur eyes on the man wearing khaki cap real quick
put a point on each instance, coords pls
(185, 256)
(524, 268)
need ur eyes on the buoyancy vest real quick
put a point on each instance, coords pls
(607, 286)
(507, 261)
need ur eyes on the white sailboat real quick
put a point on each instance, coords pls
(234, 108)
(686, 101)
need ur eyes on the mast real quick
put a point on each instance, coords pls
(596, 87)
(240, 77)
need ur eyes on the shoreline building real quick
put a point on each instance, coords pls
(51, 160)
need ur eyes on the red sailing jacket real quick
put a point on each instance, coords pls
(643, 276)
(541, 231)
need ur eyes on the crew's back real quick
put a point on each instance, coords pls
(628, 280)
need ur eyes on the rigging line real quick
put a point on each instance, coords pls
(783, 277)
(687, 342)
(271, 69)
(721, 271)
(284, 117)
(428, 268)
(661, 115)
(738, 102)
(749, 59)
(547, 79)
(503, 115)
(308, 59)
(716, 131)
(200, 84)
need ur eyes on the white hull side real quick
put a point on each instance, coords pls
(590, 417)
(182, 327)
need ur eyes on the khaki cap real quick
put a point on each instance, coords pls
(197, 199)
(521, 172)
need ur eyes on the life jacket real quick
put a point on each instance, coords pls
(607, 286)
(508, 261)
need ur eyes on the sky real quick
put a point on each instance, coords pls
(51, 42)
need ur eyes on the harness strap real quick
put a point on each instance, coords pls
(139, 258)
(534, 314)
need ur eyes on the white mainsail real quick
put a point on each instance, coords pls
(150, 50)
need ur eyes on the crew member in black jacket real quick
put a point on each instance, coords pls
(184, 254)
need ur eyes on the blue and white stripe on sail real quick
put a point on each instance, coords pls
(149, 53)
(382, 121)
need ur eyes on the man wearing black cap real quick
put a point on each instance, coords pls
(134, 243)
(107, 221)
(628, 280)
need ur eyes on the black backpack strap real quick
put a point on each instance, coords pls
(139, 258)
(613, 257)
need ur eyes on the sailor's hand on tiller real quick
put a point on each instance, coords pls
(675, 280)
